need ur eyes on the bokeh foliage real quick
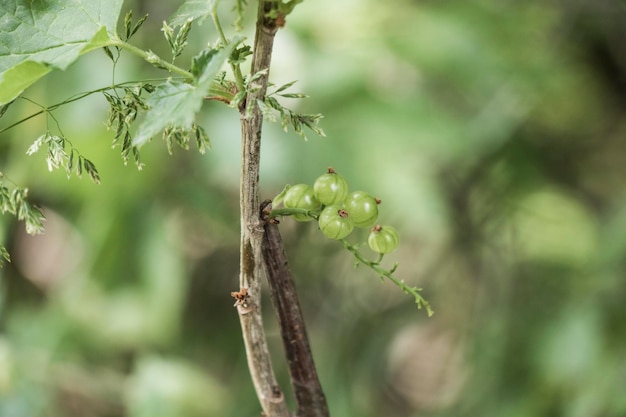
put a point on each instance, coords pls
(492, 131)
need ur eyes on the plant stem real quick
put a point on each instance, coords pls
(384, 273)
(251, 259)
(304, 380)
(235, 67)
(216, 92)
(152, 58)
(291, 211)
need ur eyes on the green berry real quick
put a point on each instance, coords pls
(363, 208)
(383, 239)
(335, 222)
(301, 196)
(330, 188)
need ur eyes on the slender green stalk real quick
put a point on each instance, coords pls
(216, 90)
(375, 265)
(279, 212)
(53, 107)
(152, 58)
(235, 67)
(71, 99)
(384, 273)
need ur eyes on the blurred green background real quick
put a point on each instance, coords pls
(493, 131)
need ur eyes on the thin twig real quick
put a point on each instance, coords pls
(304, 380)
(152, 58)
(251, 262)
(388, 273)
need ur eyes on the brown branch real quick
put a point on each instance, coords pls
(305, 382)
(251, 262)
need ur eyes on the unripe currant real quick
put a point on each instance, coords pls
(335, 222)
(330, 188)
(301, 196)
(383, 239)
(363, 208)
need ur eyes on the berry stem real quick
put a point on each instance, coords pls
(279, 212)
(388, 273)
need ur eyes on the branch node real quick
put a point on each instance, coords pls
(266, 210)
(277, 395)
(241, 299)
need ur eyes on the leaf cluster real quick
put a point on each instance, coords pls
(123, 111)
(177, 39)
(57, 156)
(169, 107)
(182, 137)
(14, 201)
(273, 110)
(130, 29)
(240, 54)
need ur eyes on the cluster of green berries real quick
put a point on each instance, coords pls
(340, 211)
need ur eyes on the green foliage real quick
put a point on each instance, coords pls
(174, 104)
(240, 54)
(182, 137)
(123, 111)
(197, 10)
(496, 148)
(274, 111)
(51, 36)
(14, 201)
(131, 28)
(177, 40)
(58, 157)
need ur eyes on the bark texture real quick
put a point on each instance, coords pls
(251, 262)
(304, 379)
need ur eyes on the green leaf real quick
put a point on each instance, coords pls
(240, 54)
(191, 9)
(172, 103)
(285, 86)
(137, 25)
(37, 36)
(175, 103)
(18, 78)
(128, 21)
